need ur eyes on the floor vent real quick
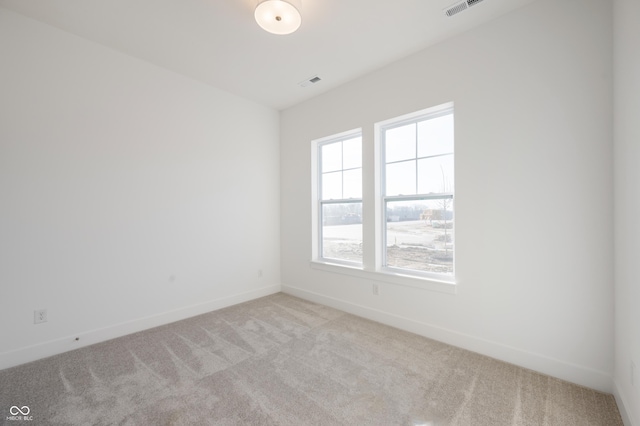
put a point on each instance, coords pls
(460, 6)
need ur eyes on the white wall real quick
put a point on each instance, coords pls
(534, 233)
(130, 196)
(627, 204)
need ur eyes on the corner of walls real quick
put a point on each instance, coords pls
(623, 403)
(626, 134)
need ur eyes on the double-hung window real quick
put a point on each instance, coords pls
(339, 198)
(411, 230)
(417, 178)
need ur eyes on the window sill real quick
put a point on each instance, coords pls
(388, 276)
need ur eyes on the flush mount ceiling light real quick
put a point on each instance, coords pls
(278, 16)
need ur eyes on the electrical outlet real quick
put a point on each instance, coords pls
(376, 290)
(39, 316)
(633, 373)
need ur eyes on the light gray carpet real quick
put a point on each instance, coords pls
(281, 360)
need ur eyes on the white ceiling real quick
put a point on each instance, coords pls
(219, 43)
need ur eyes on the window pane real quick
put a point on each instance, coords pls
(342, 231)
(435, 175)
(401, 178)
(400, 143)
(419, 235)
(332, 186)
(352, 152)
(331, 157)
(352, 183)
(435, 136)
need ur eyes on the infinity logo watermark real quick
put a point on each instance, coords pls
(19, 413)
(15, 410)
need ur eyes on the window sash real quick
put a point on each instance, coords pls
(321, 224)
(446, 194)
(341, 170)
(321, 202)
(384, 235)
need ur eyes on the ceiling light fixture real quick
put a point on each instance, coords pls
(278, 16)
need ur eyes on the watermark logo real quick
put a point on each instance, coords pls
(15, 410)
(19, 413)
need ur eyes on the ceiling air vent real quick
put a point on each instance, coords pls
(309, 81)
(460, 6)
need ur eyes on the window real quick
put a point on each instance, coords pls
(339, 198)
(407, 236)
(416, 187)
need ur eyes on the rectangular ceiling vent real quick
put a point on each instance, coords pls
(309, 81)
(460, 6)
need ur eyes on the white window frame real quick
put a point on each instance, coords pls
(382, 198)
(371, 269)
(318, 202)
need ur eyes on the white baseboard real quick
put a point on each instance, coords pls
(623, 406)
(86, 338)
(573, 373)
